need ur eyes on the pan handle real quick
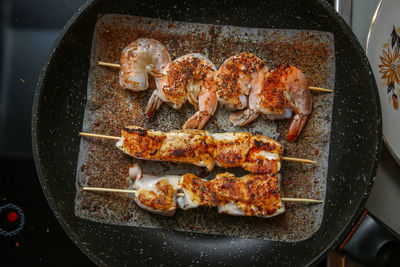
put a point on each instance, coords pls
(370, 243)
(344, 8)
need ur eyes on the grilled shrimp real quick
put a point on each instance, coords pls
(276, 94)
(234, 77)
(187, 78)
(139, 59)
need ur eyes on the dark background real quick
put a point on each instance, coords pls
(28, 29)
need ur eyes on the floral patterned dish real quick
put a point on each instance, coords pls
(383, 52)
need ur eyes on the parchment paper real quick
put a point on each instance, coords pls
(109, 108)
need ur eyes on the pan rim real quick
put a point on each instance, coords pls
(345, 28)
(62, 219)
(39, 169)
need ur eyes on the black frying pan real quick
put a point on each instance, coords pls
(355, 138)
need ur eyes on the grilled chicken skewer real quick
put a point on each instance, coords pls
(251, 195)
(254, 153)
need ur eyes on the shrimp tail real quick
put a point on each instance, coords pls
(296, 126)
(197, 121)
(193, 95)
(151, 70)
(243, 117)
(208, 103)
(153, 105)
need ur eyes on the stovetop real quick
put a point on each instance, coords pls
(29, 231)
(40, 240)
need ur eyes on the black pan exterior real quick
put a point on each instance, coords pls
(60, 100)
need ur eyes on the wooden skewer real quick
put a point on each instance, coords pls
(299, 160)
(117, 138)
(113, 65)
(100, 136)
(319, 89)
(106, 64)
(100, 189)
(86, 188)
(309, 200)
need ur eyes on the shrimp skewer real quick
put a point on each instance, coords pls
(140, 59)
(276, 94)
(242, 81)
(187, 78)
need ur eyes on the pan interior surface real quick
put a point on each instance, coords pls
(60, 100)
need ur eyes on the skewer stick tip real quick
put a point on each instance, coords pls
(99, 136)
(299, 160)
(320, 89)
(100, 189)
(106, 64)
(290, 199)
